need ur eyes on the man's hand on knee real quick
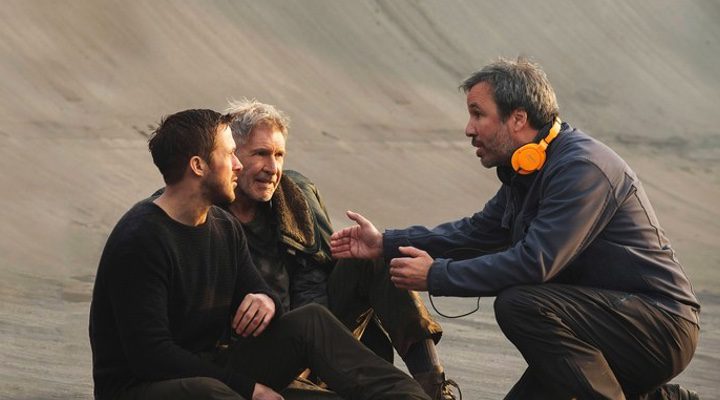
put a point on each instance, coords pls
(253, 314)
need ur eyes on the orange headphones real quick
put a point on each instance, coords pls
(531, 157)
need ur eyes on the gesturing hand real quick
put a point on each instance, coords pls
(360, 241)
(253, 314)
(411, 272)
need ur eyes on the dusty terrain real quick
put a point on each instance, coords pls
(378, 123)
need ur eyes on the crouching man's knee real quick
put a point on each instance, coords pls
(513, 307)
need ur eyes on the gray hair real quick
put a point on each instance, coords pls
(519, 84)
(249, 114)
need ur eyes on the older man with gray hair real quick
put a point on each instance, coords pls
(288, 230)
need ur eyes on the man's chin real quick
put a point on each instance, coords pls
(253, 197)
(263, 193)
(223, 200)
(488, 163)
(263, 196)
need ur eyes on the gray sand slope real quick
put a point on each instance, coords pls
(377, 123)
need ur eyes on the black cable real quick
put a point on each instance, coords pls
(477, 307)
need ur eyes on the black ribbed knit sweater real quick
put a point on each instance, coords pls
(164, 293)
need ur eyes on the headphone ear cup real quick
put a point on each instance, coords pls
(528, 158)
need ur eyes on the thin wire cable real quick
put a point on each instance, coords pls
(477, 307)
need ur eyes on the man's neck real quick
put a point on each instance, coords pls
(244, 209)
(183, 204)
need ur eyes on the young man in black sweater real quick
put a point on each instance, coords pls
(179, 310)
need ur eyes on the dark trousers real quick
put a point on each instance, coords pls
(306, 337)
(589, 343)
(355, 286)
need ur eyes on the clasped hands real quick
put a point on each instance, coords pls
(365, 241)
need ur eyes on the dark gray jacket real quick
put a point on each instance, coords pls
(296, 260)
(584, 219)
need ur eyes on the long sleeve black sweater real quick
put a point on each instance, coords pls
(164, 293)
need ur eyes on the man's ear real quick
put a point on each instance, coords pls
(518, 120)
(198, 166)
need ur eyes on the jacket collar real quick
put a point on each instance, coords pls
(508, 176)
(294, 216)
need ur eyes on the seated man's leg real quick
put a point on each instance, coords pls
(592, 343)
(311, 337)
(198, 388)
(375, 339)
(356, 285)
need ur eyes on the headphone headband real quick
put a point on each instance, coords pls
(554, 131)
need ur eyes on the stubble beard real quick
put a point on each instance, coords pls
(502, 147)
(217, 193)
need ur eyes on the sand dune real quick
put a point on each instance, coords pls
(371, 87)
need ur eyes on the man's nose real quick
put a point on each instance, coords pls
(272, 165)
(237, 165)
(469, 130)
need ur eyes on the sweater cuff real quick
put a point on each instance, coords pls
(438, 281)
(392, 239)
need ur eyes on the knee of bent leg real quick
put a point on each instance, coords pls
(204, 388)
(308, 312)
(512, 306)
(313, 309)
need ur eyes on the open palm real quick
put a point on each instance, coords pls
(359, 241)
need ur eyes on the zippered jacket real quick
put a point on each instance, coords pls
(294, 255)
(583, 219)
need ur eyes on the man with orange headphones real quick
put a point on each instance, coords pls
(588, 288)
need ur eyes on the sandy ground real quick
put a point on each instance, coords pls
(378, 123)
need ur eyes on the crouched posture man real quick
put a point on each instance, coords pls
(588, 287)
(179, 311)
